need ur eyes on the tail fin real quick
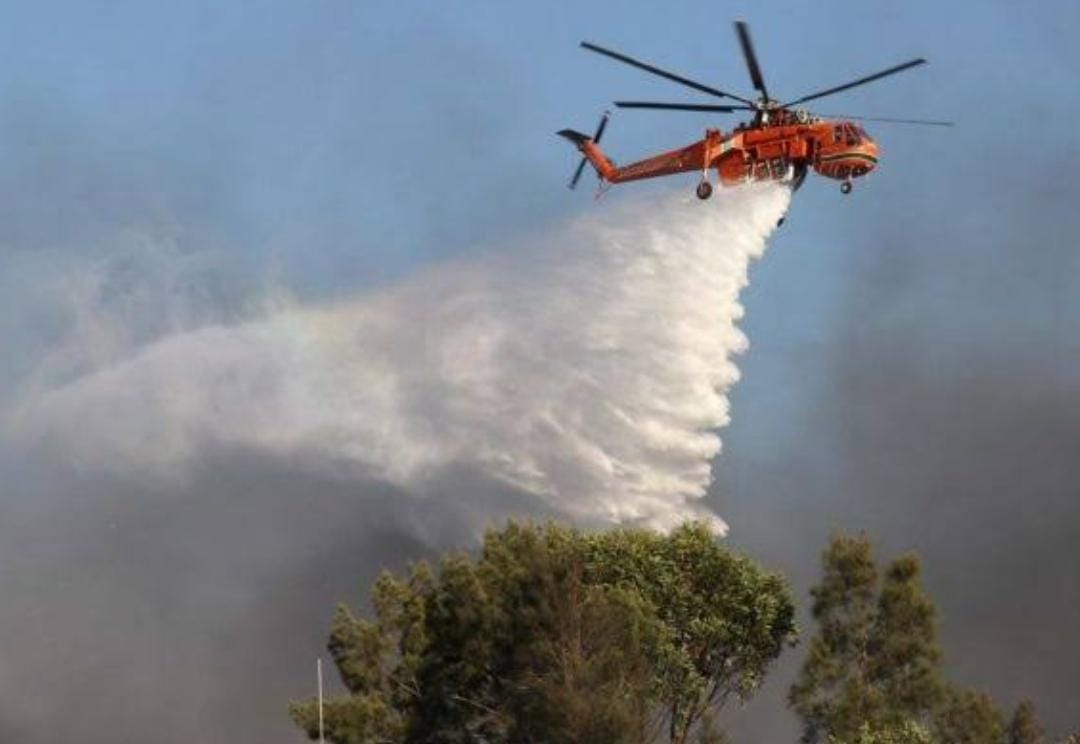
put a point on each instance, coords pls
(590, 151)
(577, 138)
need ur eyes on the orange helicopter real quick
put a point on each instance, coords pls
(781, 143)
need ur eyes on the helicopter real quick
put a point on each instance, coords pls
(782, 142)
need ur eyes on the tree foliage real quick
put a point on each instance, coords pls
(833, 694)
(968, 717)
(873, 669)
(551, 634)
(1024, 727)
(905, 732)
(875, 660)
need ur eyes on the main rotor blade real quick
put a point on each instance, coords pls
(925, 122)
(662, 73)
(682, 106)
(756, 78)
(860, 81)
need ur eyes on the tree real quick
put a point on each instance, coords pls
(554, 635)
(726, 619)
(833, 694)
(907, 732)
(873, 670)
(1024, 728)
(874, 661)
(969, 717)
(904, 659)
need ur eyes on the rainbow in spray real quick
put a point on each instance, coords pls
(588, 368)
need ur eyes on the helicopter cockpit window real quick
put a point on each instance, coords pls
(837, 135)
(852, 135)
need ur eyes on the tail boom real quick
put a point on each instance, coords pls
(690, 158)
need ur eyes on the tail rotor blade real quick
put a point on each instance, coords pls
(577, 174)
(601, 126)
(595, 138)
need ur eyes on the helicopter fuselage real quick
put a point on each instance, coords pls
(839, 150)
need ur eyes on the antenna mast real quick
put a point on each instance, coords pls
(318, 674)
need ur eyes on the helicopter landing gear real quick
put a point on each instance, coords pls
(704, 190)
(845, 187)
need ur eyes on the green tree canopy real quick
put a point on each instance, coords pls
(1024, 727)
(556, 635)
(874, 664)
(843, 684)
(906, 732)
(873, 669)
(968, 717)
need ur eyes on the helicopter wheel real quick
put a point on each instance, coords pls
(845, 187)
(704, 190)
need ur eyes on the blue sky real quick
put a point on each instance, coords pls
(339, 107)
(354, 140)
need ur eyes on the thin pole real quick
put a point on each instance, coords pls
(318, 672)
